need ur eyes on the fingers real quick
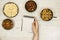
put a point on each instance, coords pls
(33, 25)
(36, 22)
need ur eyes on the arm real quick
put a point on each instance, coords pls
(35, 30)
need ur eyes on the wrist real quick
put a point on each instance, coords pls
(36, 34)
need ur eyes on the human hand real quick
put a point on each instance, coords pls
(35, 26)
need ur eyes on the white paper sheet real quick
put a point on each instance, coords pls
(27, 24)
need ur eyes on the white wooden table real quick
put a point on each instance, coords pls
(47, 30)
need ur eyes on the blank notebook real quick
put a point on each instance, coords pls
(27, 24)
